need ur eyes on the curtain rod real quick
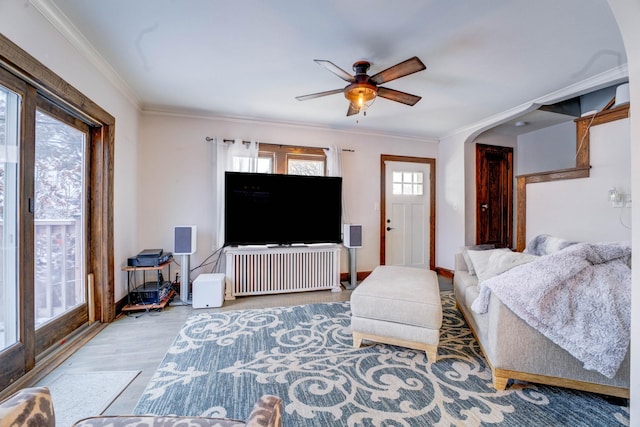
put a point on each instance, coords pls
(209, 139)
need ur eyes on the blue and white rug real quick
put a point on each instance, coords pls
(221, 363)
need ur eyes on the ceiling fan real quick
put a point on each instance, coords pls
(363, 89)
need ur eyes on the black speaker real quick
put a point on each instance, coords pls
(352, 236)
(184, 240)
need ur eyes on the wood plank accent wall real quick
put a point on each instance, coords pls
(583, 125)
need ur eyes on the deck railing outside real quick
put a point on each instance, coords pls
(59, 282)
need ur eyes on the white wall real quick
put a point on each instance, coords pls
(626, 13)
(175, 170)
(547, 149)
(578, 209)
(451, 206)
(25, 26)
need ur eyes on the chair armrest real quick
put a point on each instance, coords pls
(29, 406)
(460, 263)
(267, 412)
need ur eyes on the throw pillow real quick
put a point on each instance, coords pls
(465, 255)
(545, 244)
(480, 259)
(499, 262)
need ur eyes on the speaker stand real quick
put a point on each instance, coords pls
(353, 272)
(185, 278)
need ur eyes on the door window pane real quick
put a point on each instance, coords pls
(59, 217)
(408, 183)
(9, 136)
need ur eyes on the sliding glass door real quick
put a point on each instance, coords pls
(43, 225)
(59, 220)
(56, 215)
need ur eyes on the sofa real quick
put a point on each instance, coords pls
(34, 407)
(516, 351)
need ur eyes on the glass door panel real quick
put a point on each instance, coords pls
(59, 218)
(9, 137)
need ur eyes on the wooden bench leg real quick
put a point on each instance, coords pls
(500, 383)
(357, 340)
(432, 354)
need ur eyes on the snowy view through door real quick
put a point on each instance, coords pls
(59, 213)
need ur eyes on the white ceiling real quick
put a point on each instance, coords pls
(251, 58)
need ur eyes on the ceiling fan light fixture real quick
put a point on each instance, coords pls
(361, 95)
(363, 89)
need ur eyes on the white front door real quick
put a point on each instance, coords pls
(407, 210)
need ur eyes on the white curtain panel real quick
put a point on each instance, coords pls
(334, 161)
(334, 168)
(236, 156)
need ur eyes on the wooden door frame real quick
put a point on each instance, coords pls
(432, 202)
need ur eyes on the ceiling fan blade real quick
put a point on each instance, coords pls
(319, 94)
(336, 70)
(352, 110)
(410, 66)
(396, 95)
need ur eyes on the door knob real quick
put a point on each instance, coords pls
(389, 228)
(484, 207)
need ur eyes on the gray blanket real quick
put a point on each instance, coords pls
(578, 297)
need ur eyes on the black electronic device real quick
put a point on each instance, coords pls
(150, 293)
(278, 209)
(150, 258)
(150, 253)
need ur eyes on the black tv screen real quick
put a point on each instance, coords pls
(275, 209)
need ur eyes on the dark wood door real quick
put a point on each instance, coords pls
(494, 195)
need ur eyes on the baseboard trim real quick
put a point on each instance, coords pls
(444, 272)
(360, 276)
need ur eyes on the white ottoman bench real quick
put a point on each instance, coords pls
(398, 306)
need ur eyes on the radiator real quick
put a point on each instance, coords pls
(265, 270)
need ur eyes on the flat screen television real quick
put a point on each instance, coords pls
(275, 209)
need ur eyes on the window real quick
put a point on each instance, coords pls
(408, 183)
(287, 159)
(305, 165)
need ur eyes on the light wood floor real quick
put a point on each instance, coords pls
(139, 341)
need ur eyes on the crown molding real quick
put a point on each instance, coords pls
(60, 22)
(204, 115)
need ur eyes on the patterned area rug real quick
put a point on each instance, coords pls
(221, 363)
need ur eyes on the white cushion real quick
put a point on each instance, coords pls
(467, 259)
(480, 260)
(499, 262)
